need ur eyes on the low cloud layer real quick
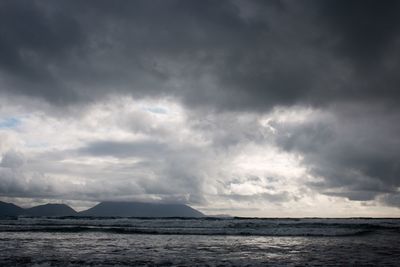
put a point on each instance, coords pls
(250, 106)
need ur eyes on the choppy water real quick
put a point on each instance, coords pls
(201, 242)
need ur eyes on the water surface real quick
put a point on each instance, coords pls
(198, 242)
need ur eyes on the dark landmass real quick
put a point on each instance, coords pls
(51, 210)
(9, 209)
(104, 209)
(139, 209)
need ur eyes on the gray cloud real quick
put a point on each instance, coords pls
(12, 159)
(261, 197)
(355, 155)
(365, 30)
(125, 149)
(14, 181)
(160, 179)
(172, 173)
(225, 54)
(32, 40)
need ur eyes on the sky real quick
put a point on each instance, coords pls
(248, 108)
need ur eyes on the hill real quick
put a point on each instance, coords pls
(51, 210)
(9, 209)
(139, 209)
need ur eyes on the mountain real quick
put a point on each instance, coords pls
(9, 209)
(104, 209)
(51, 210)
(139, 209)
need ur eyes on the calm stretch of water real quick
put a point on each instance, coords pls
(199, 242)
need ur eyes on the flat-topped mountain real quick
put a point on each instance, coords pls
(9, 209)
(51, 210)
(139, 209)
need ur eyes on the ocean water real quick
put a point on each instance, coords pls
(199, 242)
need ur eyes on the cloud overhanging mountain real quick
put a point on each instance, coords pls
(137, 209)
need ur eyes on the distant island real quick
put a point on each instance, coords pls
(103, 209)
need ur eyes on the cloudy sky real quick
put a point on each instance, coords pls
(249, 108)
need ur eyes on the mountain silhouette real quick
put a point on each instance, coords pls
(9, 209)
(140, 209)
(51, 210)
(104, 209)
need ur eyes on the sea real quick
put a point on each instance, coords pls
(73, 241)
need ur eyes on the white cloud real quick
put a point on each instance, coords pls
(122, 149)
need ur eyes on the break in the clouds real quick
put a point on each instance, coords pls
(267, 108)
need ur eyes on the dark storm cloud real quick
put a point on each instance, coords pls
(365, 29)
(366, 34)
(225, 54)
(31, 41)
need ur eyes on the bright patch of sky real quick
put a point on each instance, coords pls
(157, 110)
(9, 123)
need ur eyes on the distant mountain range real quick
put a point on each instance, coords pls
(104, 209)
